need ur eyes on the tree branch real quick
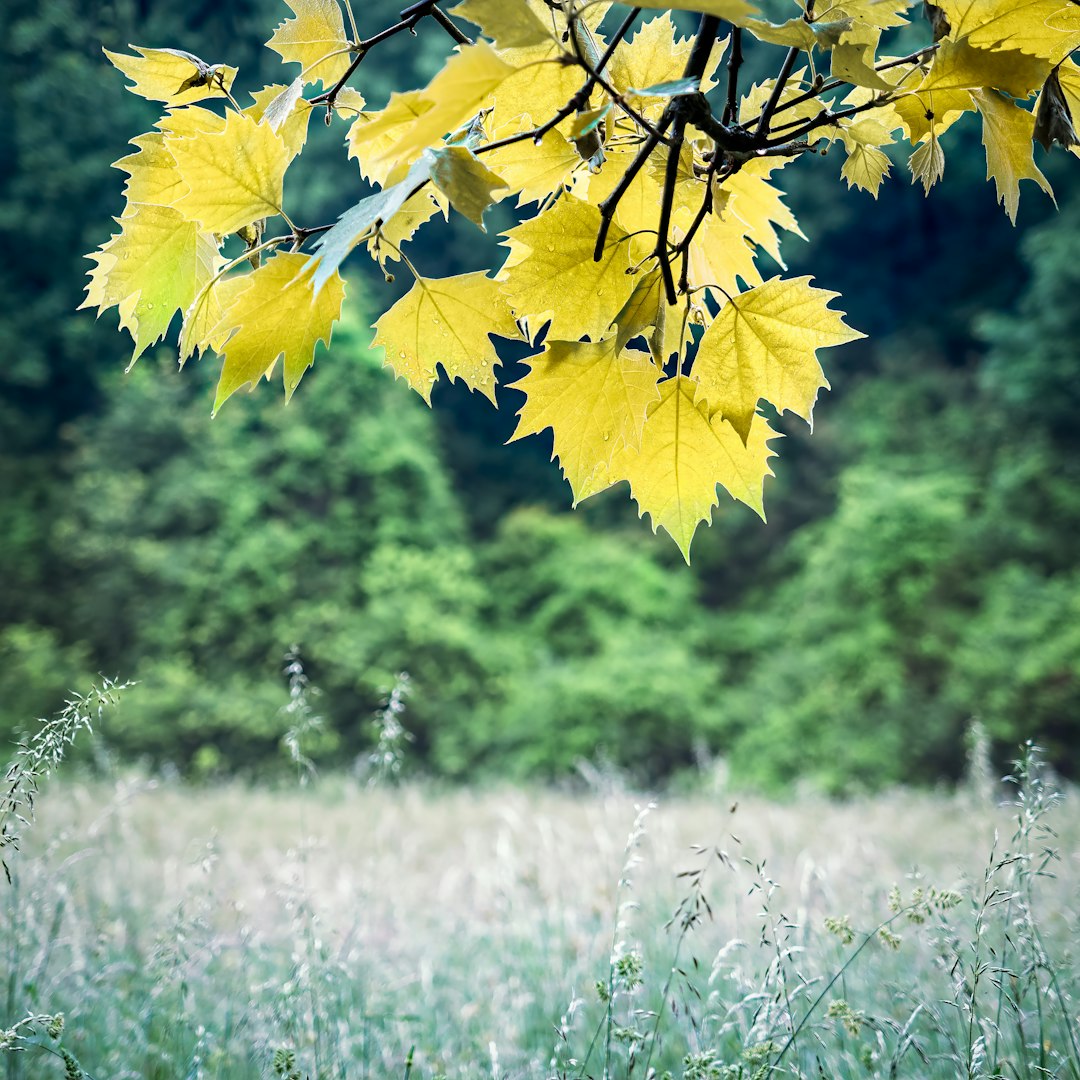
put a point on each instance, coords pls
(762, 128)
(735, 59)
(407, 20)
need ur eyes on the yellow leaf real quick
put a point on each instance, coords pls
(722, 255)
(401, 226)
(539, 85)
(866, 165)
(932, 111)
(275, 313)
(446, 321)
(457, 92)
(164, 75)
(957, 65)
(593, 397)
(754, 101)
(763, 344)
(203, 318)
(150, 270)
(315, 39)
(882, 14)
(1008, 131)
(550, 270)
(648, 314)
(854, 57)
(372, 134)
(927, 164)
(190, 121)
(683, 455)
(235, 175)
(152, 175)
(509, 25)
(1037, 27)
(738, 12)
(657, 54)
(284, 109)
(534, 171)
(759, 205)
(470, 185)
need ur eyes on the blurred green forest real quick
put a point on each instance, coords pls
(919, 568)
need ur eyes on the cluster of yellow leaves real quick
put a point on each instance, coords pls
(666, 396)
(198, 178)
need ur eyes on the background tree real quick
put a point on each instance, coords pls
(901, 407)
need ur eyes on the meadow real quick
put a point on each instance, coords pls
(333, 929)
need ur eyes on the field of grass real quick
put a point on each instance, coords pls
(341, 931)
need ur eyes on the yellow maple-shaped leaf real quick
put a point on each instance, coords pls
(594, 398)
(150, 270)
(881, 14)
(1008, 131)
(647, 314)
(172, 75)
(189, 122)
(202, 328)
(419, 208)
(457, 92)
(657, 54)
(466, 181)
(533, 171)
(927, 163)
(855, 55)
(763, 344)
(738, 12)
(372, 134)
(1027, 26)
(958, 65)
(509, 25)
(152, 175)
(866, 165)
(286, 111)
(446, 321)
(543, 81)
(754, 201)
(722, 255)
(315, 39)
(235, 175)
(684, 453)
(931, 112)
(550, 270)
(275, 313)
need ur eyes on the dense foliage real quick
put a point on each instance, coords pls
(918, 570)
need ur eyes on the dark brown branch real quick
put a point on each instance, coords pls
(735, 59)
(681, 110)
(407, 20)
(683, 247)
(778, 88)
(823, 118)
(671, 175)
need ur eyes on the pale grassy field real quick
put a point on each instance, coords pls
(193, 932)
